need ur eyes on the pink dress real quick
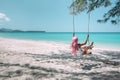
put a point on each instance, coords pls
(74, 45)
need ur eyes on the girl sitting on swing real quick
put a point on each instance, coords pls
(80, 46)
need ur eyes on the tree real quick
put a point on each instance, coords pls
(113, 15)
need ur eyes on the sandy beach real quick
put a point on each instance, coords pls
(45, 60)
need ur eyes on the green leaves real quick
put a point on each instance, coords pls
(113, 15)
(78, 6)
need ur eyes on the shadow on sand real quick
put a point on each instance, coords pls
(38, 72)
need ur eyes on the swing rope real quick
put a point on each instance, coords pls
(88, 27)
(73, 25)
(88, 24)
(73, 19)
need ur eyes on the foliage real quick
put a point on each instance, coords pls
(112, 15)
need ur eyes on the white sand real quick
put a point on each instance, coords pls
(38, 47)
(44, 60)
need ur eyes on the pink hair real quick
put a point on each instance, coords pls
(74, 45)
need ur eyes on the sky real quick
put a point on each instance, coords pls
(50, 16)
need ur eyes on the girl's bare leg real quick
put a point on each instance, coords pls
(86, 48)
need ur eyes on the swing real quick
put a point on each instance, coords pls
(87, 48)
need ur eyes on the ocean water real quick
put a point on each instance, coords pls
(99, 38)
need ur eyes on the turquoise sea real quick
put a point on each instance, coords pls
(100, 38)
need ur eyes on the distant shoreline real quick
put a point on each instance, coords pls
(10, 30)
(22, 31)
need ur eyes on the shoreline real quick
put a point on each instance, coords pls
(96, 46)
